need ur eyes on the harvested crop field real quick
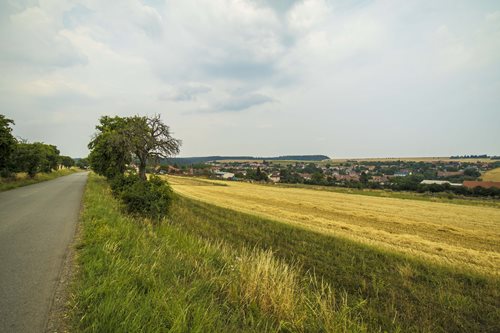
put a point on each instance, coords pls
(464, 236)
(492, 175)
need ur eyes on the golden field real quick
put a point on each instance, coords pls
(464, 236)
(492, 175)
(412, 159)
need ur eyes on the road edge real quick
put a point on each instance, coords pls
(58, 318)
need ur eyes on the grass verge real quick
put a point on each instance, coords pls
(400, 292)
(22, 179)
(134, 277)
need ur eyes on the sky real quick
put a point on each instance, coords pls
(258, 77)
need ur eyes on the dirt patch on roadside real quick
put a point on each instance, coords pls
(58, 320)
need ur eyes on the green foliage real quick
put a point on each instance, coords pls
(7, 142)
(83, 163)
(67, 161)
(472, 172)
(257, 175)
(288, 176)
(24, 157)
(35, 157)
(121, 183)
(121, 139)
(110, 148)
(151, 198)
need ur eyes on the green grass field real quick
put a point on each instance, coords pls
(22, 179)
(210, 269)
(134, 277)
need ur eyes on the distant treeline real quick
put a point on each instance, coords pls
(195, 160)
(17, 155)
(459, 157)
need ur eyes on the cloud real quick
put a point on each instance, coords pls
(34, 38)
(353, 66)
(185, 93)
(240, 103)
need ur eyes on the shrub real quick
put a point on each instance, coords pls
(151, 198)
(120, 182)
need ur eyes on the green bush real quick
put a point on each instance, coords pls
(151, 198)
(121, 182)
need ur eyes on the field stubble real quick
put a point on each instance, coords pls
(464, 236)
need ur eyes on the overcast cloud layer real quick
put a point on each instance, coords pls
(342, 78)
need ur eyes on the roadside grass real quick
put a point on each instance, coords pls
(22, 178)
(136, 277)
(402, 293)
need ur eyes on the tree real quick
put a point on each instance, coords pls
(83, 163)
(35, 157)
(110, 148)
(67, 161)
(121, 139)
(7, 142)
(27, 159)
(472, 172)
(150, 140)
(363, 178)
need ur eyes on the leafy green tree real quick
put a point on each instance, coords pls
(83, 163)
(27, 158)
(472, 172)
(317, 178)
(67, 161)
(110, 147)
(35, 157)
(120, 140)
(7, 142)
(363, 178)
(49, 156)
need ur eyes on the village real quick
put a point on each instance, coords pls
(397, 175)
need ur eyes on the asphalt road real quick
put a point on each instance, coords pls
(37, 224)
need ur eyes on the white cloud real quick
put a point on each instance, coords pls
(325, 69)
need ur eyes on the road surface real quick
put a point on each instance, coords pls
(37, 224)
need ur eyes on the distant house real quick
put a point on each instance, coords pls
(438, 182)
(351, 177)
(379, 179)
(449, 173)
(224, 175)
(172, 169)
(402, 173)
(275, 177)
(306, 176)
(472, 184)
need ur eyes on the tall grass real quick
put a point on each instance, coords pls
(401, 292)
(136, 277)
(22, 179)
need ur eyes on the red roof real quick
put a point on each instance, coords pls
(471, 184)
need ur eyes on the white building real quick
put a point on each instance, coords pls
(438, 182)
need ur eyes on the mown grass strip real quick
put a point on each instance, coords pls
(24, 180)
(134, 277)
(401, 292)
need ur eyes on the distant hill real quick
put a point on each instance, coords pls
(194, 160)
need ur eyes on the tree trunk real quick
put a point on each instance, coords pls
(142, 169)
